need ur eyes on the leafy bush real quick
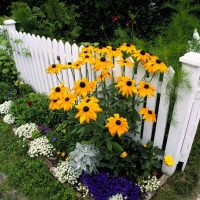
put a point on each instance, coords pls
(34, 109)
(7, 92)
(53, 19)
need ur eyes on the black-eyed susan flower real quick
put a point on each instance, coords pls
(146, 89)
(148, 115)
(155, 65)
(141, 56)
(117, 125)
(114, 52)
(67, 65)
(128, 48)
(168, 160)
(87, 111)
(126, 86)
(101, 50)
(77, 64)
(87, 58)
(88, 48)
(54, 105)
(90, 99)
(124, 154)
(125, 63)
(103, 64)
(58, 92)
(103, 76)
(54, 68)
(83, 87)
(68, 101)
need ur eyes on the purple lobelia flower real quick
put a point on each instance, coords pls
(43, 129)
(104, 185)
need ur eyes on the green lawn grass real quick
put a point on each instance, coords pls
(28, 176)
(184, 185)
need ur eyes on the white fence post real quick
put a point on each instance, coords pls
(182, 112)
(10, 25)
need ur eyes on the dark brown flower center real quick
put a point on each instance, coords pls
(142, 52)
(114, 49)
(150, 112)
(128, 45)
(86, 56)
(103, 59)
(57, 89)
(53, 66)
(85, 108)
(86, 46)
(88, 100)
(129, 83)
(100, 47)
(82, 84)
(55, 100)
(67, 99)
(146, 86)
(158, 61)
(118, 122)
(85, 51)
(69, 63)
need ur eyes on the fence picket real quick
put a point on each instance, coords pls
(75, 58)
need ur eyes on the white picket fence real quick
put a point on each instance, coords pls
(32, 54)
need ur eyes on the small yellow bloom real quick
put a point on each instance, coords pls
(63, 154)
(168, 160)
(67, 66)
(117, 125)
(114, 52)
(124, 154)
(58, 153)
(128, 48)
(145, 145)
(141, 56)
(101, 50)
(77, 64)
(148, 115)
(67, 158)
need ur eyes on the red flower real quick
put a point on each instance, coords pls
(116, 18)
(29, 103)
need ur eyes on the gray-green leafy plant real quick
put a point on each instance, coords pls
(84, 158)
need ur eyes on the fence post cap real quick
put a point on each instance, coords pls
(192, 59)
(9, 22)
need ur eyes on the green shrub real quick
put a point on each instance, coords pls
(7, 92)
(52, 19)
(24, 89)
(35, 108)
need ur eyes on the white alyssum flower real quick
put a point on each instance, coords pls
(9, 119)
(82, 189)
(5, 107)
(64, 172)
(26, 130)
(118, 196)
(40, 147)
(150, 184)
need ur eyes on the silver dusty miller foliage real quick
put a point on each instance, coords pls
(84, 158)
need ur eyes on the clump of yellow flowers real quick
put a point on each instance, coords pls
(101, 89)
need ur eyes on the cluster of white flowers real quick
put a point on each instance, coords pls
(194, 44)
(117, 197)
(26, 130)
(64, 172)
(9, 119)
(82, 189)
(40, 147)
(150, 184)
(5, 107)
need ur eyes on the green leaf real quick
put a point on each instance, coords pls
(5, 71)
(109, 145)
(117, 146)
